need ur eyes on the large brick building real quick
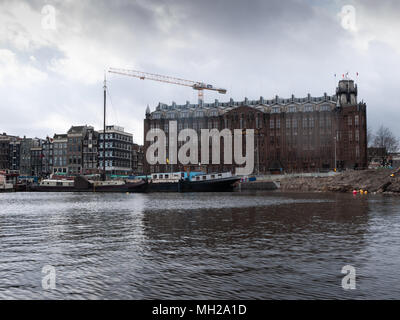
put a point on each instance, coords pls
(291, 135)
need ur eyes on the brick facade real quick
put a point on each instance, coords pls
(291, 135)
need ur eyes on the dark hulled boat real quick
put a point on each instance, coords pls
(213, 182)
(192, 182)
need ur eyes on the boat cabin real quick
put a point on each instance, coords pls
(57, 183)
(211, 176)
(167, 177)
(107, 183)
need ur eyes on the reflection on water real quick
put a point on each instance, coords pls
(260, 245)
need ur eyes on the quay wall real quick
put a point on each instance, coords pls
(385, 181)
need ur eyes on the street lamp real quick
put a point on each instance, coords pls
(335, 138)
(258, 151)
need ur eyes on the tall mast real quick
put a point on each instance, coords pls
(104, 130)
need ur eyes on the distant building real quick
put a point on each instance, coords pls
(75, 146)
(60, 157)
(9, 159)
(291, 135)
(395, 159)
(47, 160)
(37, 158)
(15, 155)
(4, 152)
(25, 156)
(118, 150)
(137, 159)
(377, 157)
(90, 151)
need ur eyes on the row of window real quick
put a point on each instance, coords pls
(116, 136)
(74, 148)
(123, 146)
(214, 113)
(60, 161)
(60, 152)
(273, 124)
(116, 154)
(86, 142)
(356, 120)
(114, 163)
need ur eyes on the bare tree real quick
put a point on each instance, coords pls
(384, 138)
(370, 137)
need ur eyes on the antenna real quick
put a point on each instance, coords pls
(104, 129)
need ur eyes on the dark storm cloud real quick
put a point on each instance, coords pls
(252, 48)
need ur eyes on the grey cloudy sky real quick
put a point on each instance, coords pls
(52, 79)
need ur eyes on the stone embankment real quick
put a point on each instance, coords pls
(376, 181)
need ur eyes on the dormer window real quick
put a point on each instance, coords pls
(308, 108)
(325, 108)
(185, 114)
(213, 113)
(199, 113)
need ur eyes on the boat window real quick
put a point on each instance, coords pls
(204, 177)
(166, 176)
(213, 176)
(59, 183)
(197, 178)
(219, 175)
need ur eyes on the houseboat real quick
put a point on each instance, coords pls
(192, 182)
(118, 186)
(210, 182)
(166, 182)
(50, 185)
(82, 184)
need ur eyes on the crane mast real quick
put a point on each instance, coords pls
(196, 85)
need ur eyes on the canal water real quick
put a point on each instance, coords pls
(258, 245)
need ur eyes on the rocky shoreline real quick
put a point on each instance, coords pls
(383, 181)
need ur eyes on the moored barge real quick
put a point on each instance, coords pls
(192, 182)
(81, 184)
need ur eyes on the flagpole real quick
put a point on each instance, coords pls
(335, 81)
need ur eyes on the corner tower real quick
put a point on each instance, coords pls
(346, 93)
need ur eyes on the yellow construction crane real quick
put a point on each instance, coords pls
(196, 85)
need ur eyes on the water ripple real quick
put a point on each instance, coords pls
(256, 245)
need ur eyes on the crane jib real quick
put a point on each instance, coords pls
(200, 86)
